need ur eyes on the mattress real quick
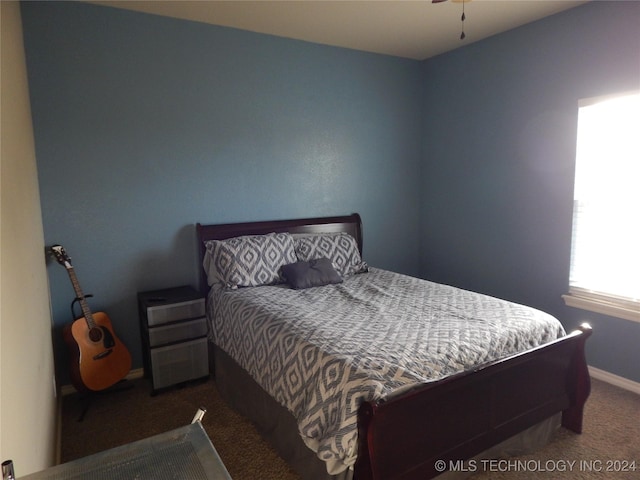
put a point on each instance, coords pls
(321, 351)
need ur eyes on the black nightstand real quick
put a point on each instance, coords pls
(173, 328)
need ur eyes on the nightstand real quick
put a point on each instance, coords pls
(173, 328)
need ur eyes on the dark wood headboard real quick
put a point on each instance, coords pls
(351, 224)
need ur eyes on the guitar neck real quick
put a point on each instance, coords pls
(86, 312)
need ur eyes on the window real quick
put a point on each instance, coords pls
(605, 250)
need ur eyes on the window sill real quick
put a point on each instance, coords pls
(599, 306)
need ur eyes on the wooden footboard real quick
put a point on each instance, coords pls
(460, 416)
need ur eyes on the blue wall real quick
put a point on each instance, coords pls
(145, 125)
(500, 135)
(461, 166)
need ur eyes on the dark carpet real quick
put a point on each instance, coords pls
(610, 441)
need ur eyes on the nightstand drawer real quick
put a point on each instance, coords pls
(177, 332)
(159, 314)
(179, 363)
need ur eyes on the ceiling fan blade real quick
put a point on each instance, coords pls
(438, 1)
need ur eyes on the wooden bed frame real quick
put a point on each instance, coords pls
(441, 423)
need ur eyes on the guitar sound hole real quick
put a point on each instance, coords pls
(95, 334)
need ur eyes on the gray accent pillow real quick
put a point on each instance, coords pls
(314, 273)
(248, 261)
(340, 248)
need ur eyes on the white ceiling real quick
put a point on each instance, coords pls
(415, 29)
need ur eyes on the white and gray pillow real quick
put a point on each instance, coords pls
(340, 248)
(248, 261)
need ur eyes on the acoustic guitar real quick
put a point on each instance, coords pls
(98, 358)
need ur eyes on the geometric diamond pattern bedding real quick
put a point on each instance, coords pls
(321, 351)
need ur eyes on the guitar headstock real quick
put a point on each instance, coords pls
(61, 256)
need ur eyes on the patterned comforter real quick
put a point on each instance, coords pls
(320, 352)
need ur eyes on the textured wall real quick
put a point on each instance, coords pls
(500, 136)
(145, 125)
(461, 166)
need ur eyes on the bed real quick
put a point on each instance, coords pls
(337, 407)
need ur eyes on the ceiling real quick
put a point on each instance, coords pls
(415, 29)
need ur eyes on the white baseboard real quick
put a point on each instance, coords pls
(132, 375)
(616, 380)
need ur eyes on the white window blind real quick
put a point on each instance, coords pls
(605, 253)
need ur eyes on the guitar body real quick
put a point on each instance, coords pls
(99, 359)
